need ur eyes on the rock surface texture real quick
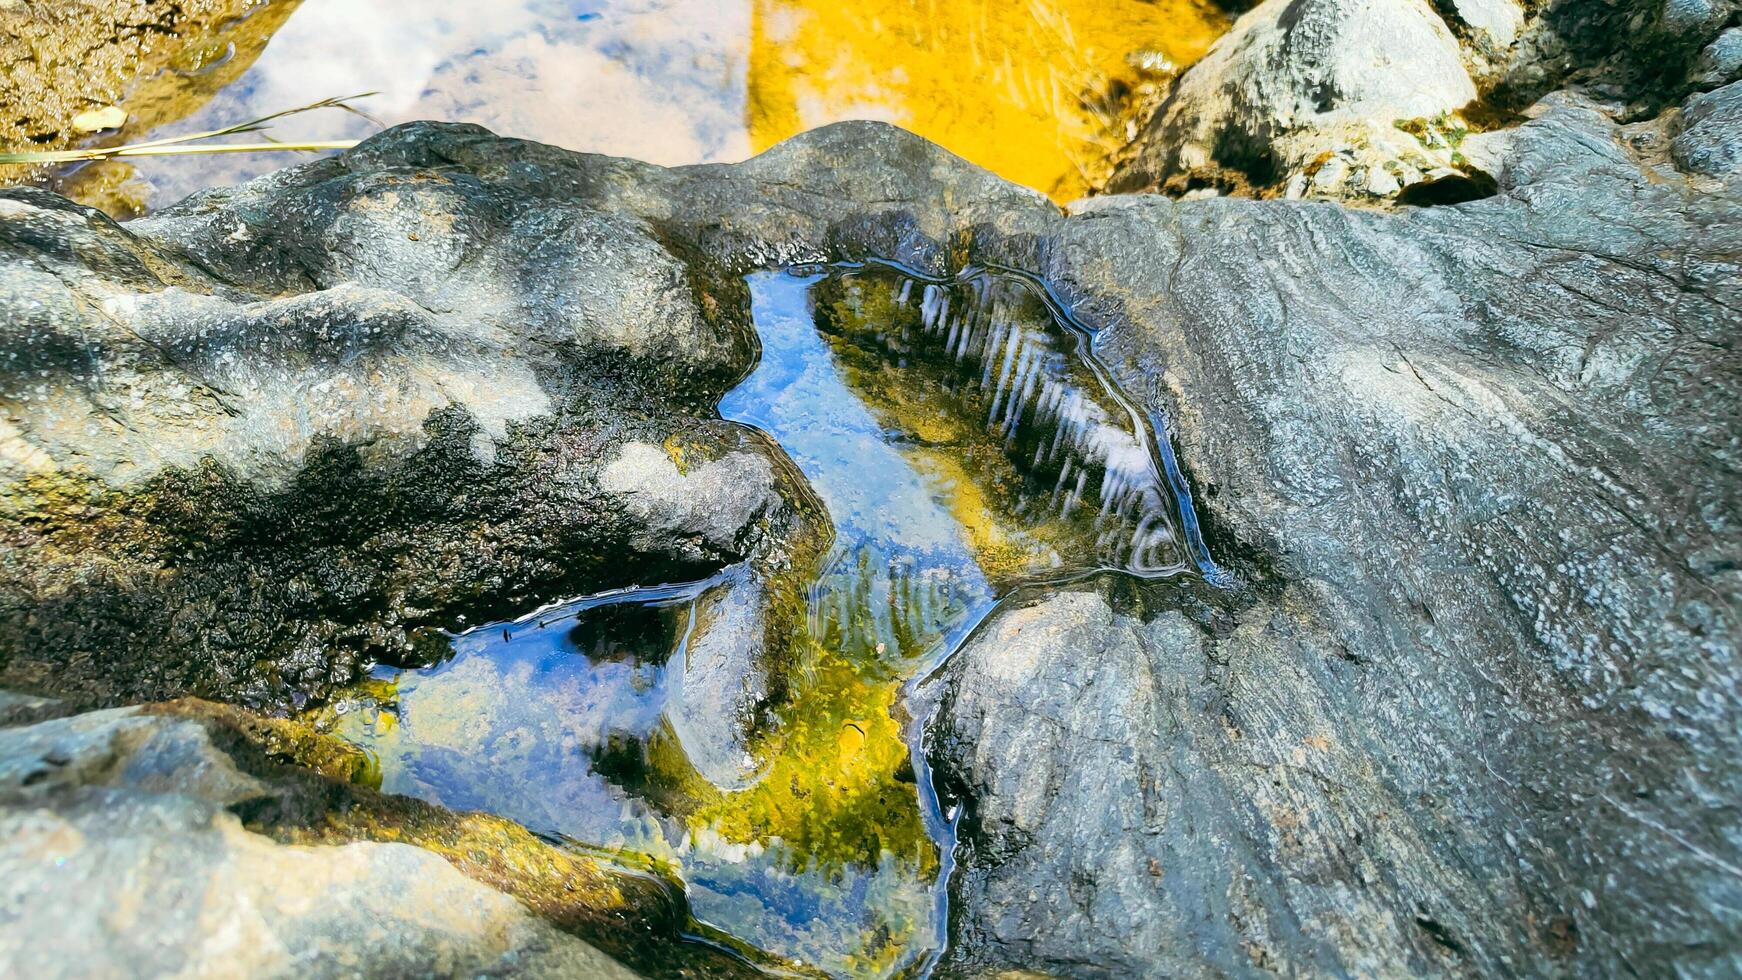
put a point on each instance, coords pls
(1295, 81)
(1470, 709)
(1475, 712)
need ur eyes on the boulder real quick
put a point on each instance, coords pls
(386, 407)
(1473, 710)
(1308, 88)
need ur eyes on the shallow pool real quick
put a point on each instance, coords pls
(965, 443)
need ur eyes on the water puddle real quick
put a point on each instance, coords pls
(964, 442)
(1040, 92)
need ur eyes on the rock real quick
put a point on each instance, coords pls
(1232, 830)
(1476, 465)
(15, 706)
(1635, 55)
(381, 410)
(1721, 61)
(122, 857)
(1710, 140)
(1294, 80)
(95, 120)
(1386, 86)
(1498, 21)
(713, 504)
(721, 686)
(1473, 712)
(1689, 16)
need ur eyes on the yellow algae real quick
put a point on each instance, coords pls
(1038, 92)
(832, 791)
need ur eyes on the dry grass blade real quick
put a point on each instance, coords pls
(173, 145)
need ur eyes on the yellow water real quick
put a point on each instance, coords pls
(1040, 91)
(1030, 89)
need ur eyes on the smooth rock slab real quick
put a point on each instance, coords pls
(1478, 466)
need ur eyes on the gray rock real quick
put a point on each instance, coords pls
(14, 705)
(1294, 80)
(391, 394)
(711, 505)
(121, 859)
(1689, 16)
(1498, 20)
(1721, 61)
(1710, 141)
(1142, 808)
(1475, 712)
(1635, 54)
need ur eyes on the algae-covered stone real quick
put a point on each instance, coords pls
(107, 73)
(212, 491)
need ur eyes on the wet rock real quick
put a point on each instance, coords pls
(245, 459)
(1472, 712)
(722, 682)
(711, 504)
(1710, 141)
(1142, 808)
(123, 857)
(1476, 465)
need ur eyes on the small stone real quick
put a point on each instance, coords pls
(1721, 61)
(1381, 183)
(1331, 176)
(97, 120)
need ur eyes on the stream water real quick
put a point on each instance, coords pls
(1041, 92)
(964, 441)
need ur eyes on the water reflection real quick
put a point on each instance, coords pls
(961, 445)
(659, 80)
(1041, 92)
(1035, 452)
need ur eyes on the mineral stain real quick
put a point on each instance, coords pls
(964, 442)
